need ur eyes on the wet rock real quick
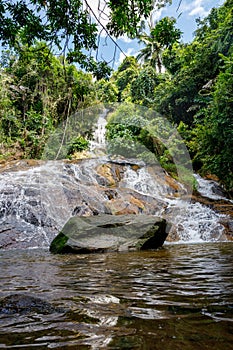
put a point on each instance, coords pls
(228, 224)
(172, 183)
(8, 235)
(127, 201)
(24, 304)
(111, 194)
(104, 233)
(109, 174)
(134, 162)
(121, 206)
(16, 234)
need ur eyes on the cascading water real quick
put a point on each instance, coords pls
(36, 202)
(29, 205)
(98, 142)
(210, 189)
(193, 222)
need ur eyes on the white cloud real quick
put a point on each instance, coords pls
(195, 8)
(157, 14)
(129, 52)
(125, 38)
(101, 11)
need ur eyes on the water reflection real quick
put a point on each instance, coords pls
(179, 297)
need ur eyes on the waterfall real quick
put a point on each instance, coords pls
(210, 189)
(32, 205)
(192, 221)
(98, 142)
(36, 202)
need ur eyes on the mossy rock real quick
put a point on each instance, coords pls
(104, 233)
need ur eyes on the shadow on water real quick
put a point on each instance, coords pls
(179, 297)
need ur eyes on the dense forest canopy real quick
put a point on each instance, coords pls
(71, 26)
(190, 84)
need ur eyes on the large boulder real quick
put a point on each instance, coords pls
(104, 233)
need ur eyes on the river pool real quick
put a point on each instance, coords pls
(178, 297)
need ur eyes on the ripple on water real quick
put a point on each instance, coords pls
(179, 297)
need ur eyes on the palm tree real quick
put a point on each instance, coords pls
(162, 36)
(152, 51)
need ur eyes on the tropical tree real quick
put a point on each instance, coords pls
(194, 67)
(214, 136)
(106, 91)
(72, 25)
(142, 88)
(162, 36)
(39, 92)
(123, 77)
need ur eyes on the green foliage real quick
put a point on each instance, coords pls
(78, 144)
(134, 131)
(38, 92)
(128, 62)
(106, 91)
(123, 130)
(162, 36)
(195, 93)
(215, 136)
(9, 123)
(124, 79)
(69, 26)
(143, 86)
(100, 70)
(194, 66)
(124, 76)
(165, 32)
(54, 21)
(126, 16)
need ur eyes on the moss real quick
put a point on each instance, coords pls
(58, 243)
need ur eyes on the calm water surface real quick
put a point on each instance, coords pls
(180, 297)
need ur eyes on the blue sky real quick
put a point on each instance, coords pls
(186, 17)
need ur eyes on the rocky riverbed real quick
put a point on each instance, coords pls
(37, 198)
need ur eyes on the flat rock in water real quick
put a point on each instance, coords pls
(103, 233)
(24, 304)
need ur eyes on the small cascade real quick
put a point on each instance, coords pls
(210, 189)
(150, 181)
(192, 222)
(32, 205)
(195, 222)
(98, 142)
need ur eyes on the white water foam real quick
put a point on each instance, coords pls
(99, 142)
(210, 189)
(36, 197)
(193, 222)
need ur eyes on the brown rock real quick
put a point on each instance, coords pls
(137, 202)
(105, 171)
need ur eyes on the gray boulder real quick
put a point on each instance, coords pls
(104, 233)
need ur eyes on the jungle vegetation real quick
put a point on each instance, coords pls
(191, 84)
